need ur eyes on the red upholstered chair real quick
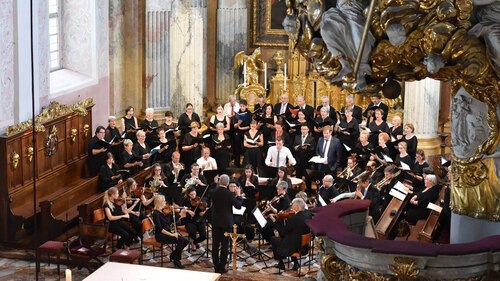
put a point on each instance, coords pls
(50, 248)
(125, 256)
(91, 244)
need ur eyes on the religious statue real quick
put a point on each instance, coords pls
(408, 40)
(252, 65)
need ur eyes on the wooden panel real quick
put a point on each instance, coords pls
(14, 175)
(72, 149)
(390, 217)
(27, 163)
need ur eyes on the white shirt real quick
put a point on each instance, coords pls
(272, 155)
(207, 164)
(283, 108)
(227, 108)
(325, 154)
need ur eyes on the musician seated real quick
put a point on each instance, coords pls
(352, 169)
(195, 217)
(193, 179)
(279, 203)
(270, 190)
(156, 180)
(164, 234)
(327, 191)
(114, 215)
(108, 176)
(250, 184)
(417, 210)
(172, 169)
(129, 158)
(136, 201)
(374, 172)
(386, 184)
(289, 240)
(206, 162)
(241, 220)
(366, 191)
(277, 155)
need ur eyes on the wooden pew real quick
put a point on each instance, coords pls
(62, 137)
(87, 207)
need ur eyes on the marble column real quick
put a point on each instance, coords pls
(7, 71)
(422, 110)
(231, 39)
(157, 76)
(187, 55)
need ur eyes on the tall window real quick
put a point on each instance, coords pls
(55, 34)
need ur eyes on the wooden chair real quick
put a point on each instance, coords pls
(99, 217)
(147, 226)
(305, 249)
(91, 244)
(51, 248)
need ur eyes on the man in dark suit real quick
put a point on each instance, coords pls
(357, 112)
(329, 147)
(172, 169)
(327, 191)
(376, 103)
(332, 113)
(283, 107)
(222, 220)
(307, 109)
(290, 234)
(366, 191)
(304, 146)
(261, 103)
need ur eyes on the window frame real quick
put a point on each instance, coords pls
(57, 16)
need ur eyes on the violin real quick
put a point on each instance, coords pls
(120, 201)
(146, 191)
(197, 203)
(282, 215)
(167, 209)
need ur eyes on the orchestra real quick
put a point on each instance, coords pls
(358, 158)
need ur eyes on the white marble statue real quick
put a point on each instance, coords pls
(342, 30)
(487, 13)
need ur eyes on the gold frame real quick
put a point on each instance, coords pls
(261, 34)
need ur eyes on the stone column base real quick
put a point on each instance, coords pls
(431, 146)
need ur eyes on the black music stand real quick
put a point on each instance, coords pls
(210, 175)
(267, 172)
(261, 222)
(345, 185)
(207, 249)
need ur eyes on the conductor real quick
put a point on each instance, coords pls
(222, 220)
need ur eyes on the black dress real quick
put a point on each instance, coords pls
(184, 123)
(364, 153)
(420, 211)
(217, 121)
(253, 155)
(129, 126)
(95, 162)
(221, 155)
(412, 146)
(120, 228)
(418, 170)
(105, 177)
(141, 150)
(407, 160)
(189, 157)
(353, 128)
(125, 158)
(151, 136)
(163, 222)
(376, 130)
(116, 146)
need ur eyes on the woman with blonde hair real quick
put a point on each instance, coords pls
(114, 215)
(163, 232)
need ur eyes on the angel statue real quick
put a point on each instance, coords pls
(253, 65)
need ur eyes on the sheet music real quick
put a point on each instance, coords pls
(404, 166)
(318, 159)
(434, 207)
(321, 201)
(344, 195)
(259, 217)
(155, 150)
(393, 139)
(396, 194)
(240, 211)
(400, 187)
(347, 148)
(387, 158)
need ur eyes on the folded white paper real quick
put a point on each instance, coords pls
(344, 195)
(396, 194)
(400, 187)
(240, 211)
(318, 159)
(404, 166)
(434, 207)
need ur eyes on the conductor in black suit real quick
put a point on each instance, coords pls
(290, 234)
(222, 220)
(370, 110)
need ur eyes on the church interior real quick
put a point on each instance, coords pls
(304, 139)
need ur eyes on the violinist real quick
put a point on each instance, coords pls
(164, 234)
(280, 202)
(108, 176)
(290, 234)
(126, 157)
(131, 205)
(156, 180)
(193, 179)
(114, 214)
(366, 191)
(134, 192)
(327, 191)
(194, 221)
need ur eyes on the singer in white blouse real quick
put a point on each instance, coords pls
(277, 155)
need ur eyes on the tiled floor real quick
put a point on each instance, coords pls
(251, 269)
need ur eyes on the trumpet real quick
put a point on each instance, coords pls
(386, 180)
(347, 171)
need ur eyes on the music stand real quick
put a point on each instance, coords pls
(267, 172)
(345, 185)
(210, 175)
(315, 176)
(261, 221)
(231, 171)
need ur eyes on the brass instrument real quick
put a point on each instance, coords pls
(347, 171)
(385, 180)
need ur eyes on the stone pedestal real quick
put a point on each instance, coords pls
(231, 39)
(187, 55)
(422, 110)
